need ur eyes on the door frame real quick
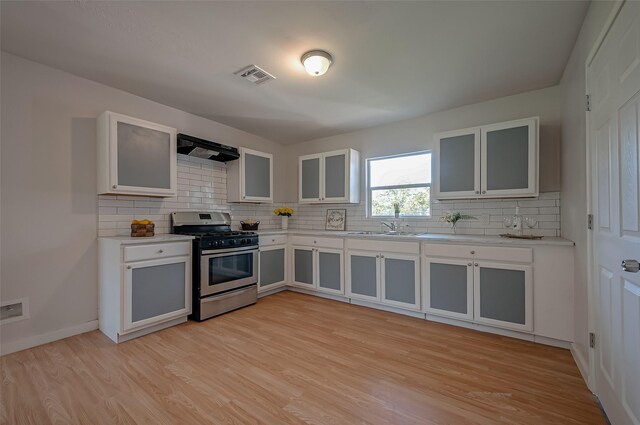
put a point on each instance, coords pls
(589, 373)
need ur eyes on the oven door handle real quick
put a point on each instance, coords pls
(214, 252)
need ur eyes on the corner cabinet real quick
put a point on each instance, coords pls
(135, 157)
(144, 286)
(330, 177)
(492, 161)
(273, 262)
(250, 178)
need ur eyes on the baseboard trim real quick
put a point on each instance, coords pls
(36, 340)
(335, 297)
(390, 309)
(582, 363)
(271, 291)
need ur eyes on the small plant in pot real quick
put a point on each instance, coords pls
(454, 217)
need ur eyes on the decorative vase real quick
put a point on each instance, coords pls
(285, 222)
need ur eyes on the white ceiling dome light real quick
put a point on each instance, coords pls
(316, 62)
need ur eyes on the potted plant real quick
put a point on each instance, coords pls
(284, 214)
(453, 217)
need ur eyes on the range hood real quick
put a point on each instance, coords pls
(200, 148)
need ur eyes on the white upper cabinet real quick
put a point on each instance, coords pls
(250, 178)
(456, 169)
(492, 161)
(135, 157)
(330, 177)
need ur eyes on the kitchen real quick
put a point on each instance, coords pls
(424, 276)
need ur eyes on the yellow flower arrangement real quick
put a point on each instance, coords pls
(287, 212)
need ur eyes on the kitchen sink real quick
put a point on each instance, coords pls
(389, 233)
(367, 233)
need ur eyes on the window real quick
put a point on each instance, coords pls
(401, 179)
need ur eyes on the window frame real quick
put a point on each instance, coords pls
(369, 188)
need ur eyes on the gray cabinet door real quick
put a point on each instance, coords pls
(363, 276)
(449, 288)
(330, 271)
(400, 280)
(144, 157)
(156, 291)
(458, 164)
(509, 158)
(272, 267)
(310, 179)
(335, 177)
(503, 295)
(303, 266)
(257, 176)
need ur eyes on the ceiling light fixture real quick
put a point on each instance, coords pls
(316, 62)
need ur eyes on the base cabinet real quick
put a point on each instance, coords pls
(494, 293)
(155, 291)
(320, 269)
(449, 288)
(143, 287)
(272, 267)
(386, 278)
(503, 295)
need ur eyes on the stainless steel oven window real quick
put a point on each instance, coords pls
(228, 269)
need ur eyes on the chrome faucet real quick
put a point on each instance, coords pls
(393, 226)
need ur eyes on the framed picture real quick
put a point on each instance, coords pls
(336, 220)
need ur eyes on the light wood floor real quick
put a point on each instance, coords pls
(297, 359)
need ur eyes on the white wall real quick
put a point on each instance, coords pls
(48, 177)
(417, 133)
(574, 174)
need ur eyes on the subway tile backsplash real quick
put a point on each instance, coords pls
(202, 185)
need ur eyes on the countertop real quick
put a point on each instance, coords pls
(430, 237)
(167, 237)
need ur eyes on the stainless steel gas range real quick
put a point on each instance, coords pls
(225, 263)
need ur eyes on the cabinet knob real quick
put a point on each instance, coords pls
(129, 267)
(315, 241)
(244, 197)
(484, 191)
(382, 256)
(473, 252)
(160, 251)
(469, 264)
(476, 264)
(273, 240)
(377, 256)
(115, 186)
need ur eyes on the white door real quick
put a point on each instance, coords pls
(614, 121)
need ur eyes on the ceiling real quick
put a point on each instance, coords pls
(392, 60)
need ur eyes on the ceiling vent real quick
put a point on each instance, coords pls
(255, 74)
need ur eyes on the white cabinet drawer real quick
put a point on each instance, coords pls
(156, 250)
(268, 240)
(498, 253)
(384, 246)
(317, 242)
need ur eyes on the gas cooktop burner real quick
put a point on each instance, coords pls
(212, 230)
(218, 234)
